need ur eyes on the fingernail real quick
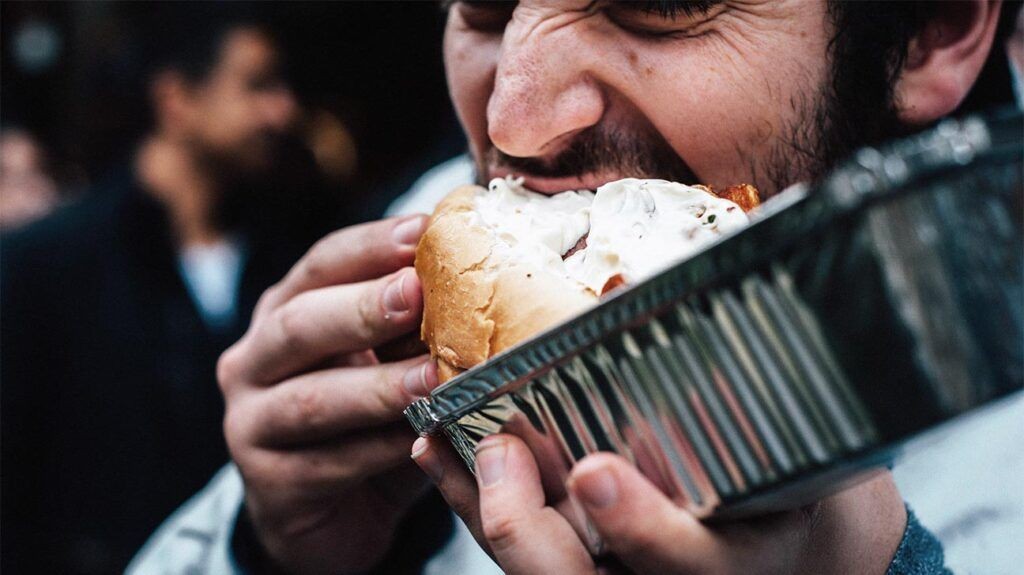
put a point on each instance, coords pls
(407, 233)
(430, 465)
(415, 381)
(490, 461)
(430, 380)
(598, 489)
(394, 295)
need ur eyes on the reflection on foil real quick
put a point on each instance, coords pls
(795, 357)
(711, 399)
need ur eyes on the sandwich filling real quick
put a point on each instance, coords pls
(624, 232)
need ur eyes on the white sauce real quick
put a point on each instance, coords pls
(640, 227)
(531, 227)
(636, 227)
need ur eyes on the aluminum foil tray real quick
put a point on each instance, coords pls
(794, 357)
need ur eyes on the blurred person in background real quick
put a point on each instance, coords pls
(332, 145)
(115, 308)
(27, 191)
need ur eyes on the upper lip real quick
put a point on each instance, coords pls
(547, 185)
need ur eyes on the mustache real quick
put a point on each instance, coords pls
(600, 150)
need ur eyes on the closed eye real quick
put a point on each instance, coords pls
(661, 17)
(484, 16)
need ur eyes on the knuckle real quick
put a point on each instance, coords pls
(266, 301)
(305, 407)
(391, 396)
(502, 531)
(317, 264)
(290, 324)
(370, 313)
(316, 267)
(235, 429)
(264, 473)
(229, 368)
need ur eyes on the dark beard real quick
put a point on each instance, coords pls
(855, 107)
(826, 128)
(601, 149)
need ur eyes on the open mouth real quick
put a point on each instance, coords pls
(549, 185)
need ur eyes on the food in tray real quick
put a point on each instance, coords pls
(503, 263)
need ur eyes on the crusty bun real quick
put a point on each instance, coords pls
(500, 265)
(475, 303)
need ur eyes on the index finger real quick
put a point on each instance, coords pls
(354, 254)
(321, 323)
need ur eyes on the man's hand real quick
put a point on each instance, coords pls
(314, 413)
(856, 531)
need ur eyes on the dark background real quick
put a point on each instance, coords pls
(376, 66)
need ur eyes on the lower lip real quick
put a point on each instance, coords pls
(551, 186)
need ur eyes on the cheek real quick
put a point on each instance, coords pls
(470, 61)
(716, 122)
(723, 105)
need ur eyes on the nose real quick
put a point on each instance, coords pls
(543, 92)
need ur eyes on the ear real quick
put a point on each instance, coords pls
(945, 58)
(171, 98)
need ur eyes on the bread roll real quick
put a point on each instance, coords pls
(500, 265)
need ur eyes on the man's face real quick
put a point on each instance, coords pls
(572, 94)
(241, 111)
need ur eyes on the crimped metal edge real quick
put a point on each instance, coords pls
(422, 417)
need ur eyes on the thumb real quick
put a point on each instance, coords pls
(525, 534)
(638, 523)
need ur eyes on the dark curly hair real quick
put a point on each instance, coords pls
(858, 106)
(869, 50)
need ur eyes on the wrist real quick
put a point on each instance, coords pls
(919, 552)
(857, 530)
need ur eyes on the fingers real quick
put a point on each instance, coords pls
(524, 534)
(325, 322)
(638, 523)
(328, 467)
(353, 254)
(402, 348)
(361, 358)
(324, 404)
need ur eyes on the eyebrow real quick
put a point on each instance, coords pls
(446, 4)
(668, 8)
(662, 7)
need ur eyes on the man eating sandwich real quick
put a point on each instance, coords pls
(567, 95)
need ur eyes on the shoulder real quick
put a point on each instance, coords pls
(73, 229)
(197, 538)
(434, 185)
